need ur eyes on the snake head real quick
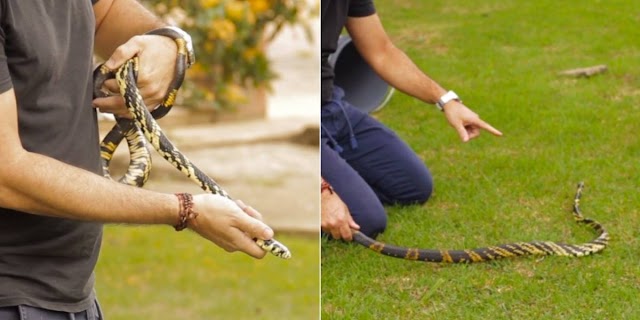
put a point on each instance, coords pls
(274, 247)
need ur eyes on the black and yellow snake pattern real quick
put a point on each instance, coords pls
(143, 130)
(509, 250)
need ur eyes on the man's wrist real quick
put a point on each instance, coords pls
(185, 211)
(325, 187)
(446, 98)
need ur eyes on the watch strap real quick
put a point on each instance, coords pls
(446, 98)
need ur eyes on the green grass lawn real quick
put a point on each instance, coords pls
(157, 273)
(502, 58)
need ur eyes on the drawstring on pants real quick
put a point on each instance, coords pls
(334, 144)
(338, 94)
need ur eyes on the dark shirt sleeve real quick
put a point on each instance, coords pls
(361, 8)
(5, 78)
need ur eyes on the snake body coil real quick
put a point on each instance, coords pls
(144, 126)
(500, 251)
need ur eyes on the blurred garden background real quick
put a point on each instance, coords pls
(248, 117)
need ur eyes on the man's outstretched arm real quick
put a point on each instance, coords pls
(397, 69)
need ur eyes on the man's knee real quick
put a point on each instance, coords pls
(370, 216)
(423, 191)
(373, 225)
(419, 192)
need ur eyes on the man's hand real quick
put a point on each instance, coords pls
(230, 225)
(157, 56)
(466, 122)
(336, 219)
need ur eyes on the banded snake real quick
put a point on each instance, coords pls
(500, 251)
(143, 130)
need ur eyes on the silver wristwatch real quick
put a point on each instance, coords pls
(191, 55)
(450, 95)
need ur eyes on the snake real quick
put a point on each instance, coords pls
(143, 132)
(509, 250)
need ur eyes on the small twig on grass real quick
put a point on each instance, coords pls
(584, 72)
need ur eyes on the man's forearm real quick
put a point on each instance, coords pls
(397, 69)
(42, 185)
(393, 65)
(117, 21)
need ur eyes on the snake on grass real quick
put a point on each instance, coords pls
(508, 250)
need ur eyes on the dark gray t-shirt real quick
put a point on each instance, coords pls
(334, 16)
(46, 49)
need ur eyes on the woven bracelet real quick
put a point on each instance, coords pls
(186, 212)
(324, 185)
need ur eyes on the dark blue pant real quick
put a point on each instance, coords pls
(368, 165)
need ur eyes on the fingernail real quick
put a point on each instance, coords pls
(108, 63)
(268, 233)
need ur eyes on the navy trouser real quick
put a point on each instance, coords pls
(368, 165)
(32, 313)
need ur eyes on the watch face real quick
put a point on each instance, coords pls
(450, 95)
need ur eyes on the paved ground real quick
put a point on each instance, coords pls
(297, 61)
(272, 164)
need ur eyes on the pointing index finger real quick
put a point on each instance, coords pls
(489, 128)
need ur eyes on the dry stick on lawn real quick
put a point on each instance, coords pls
(584, 72)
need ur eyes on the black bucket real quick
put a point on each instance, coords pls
(363, 88)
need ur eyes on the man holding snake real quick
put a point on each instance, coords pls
(363, 163)
(53, 198)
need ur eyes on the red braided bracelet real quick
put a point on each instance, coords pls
(186, 212)
(324, 185)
